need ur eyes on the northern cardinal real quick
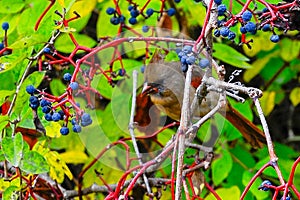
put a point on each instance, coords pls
(164, 82)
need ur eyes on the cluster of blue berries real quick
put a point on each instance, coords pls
(187, 57)
(134, 13)
(264, 185)
(247, 25)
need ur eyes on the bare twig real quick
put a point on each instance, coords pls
(131, 127)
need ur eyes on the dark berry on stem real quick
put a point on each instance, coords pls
(231, 35)
(115, 20)
(67, 77)
(62, 114)
(171, 12)
(274, 38)
(30, 89)
(48, 117)
(74, 85)
(246, 16)
(45, 102)
(190, 60)
(121, 72)
(134, 13)
(5, 26)
(1, 45)
(110, 11)
(217, 33)
(224, 31)
(85, 117)
(266, 27)
(130, 7)
(132, 20)
(76, 128)
(47, 50)
(218, 2)
(203, 63)
(177, 1)
(64, 130)
(265, 10)
(56, 117)
(73, 121)
(145, 28)
(250, 27)
(143, 69)
(183, 59)
(184, 67)
(264, 184)
(122, 19)
(46, 109)
(187, 49)
(33, 100)
(221, 9)
(243, 30)
(149, 11)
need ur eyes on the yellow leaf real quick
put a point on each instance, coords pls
(295, 96)
(58, 168)
(67, 29)
(74, 157)
(82, 7)
(268, 102)
(52, 130)
(226, 193)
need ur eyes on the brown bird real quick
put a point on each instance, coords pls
(164, 82)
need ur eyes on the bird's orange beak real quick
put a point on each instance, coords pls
(148, 89)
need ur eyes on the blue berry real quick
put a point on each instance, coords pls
(85, 117)
(132, 20)
(177, 1)
(48, 117)
(265, 10)
(30, 89)
(143, 69)
(121, 72)
(122, 19)
(47, 50)
(76, 128)
(246, 16)
(221, 22)
(190, 60)
(64, 130)
(224, 31)
(130, 7)
(263, 185)
(145, 28)
(187, 49)
(180, 54)
(250, 27)
(5, 26)
(46, 109)
(149, 12)
(67, 77)
(183, 59)
(243, 30)
(62, 114)
(217, 33)
(221, 9)
(56, 117)
(218, 2)
(110, 11)
(45, 102)
(266, 27)
(73, 121)
(171, 12)
(33, 100)
(274, 38)
(34, 106)
(86, 123)
(115, 20)
(134, 13)
(184, 68)
(231, 35)
(203, 63)
(74, 85)
(1, 46)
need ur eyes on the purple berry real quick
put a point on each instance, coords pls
(231, 35)
(67, 77)
(149, 12)
(250, 27)
(224, 31)
(76, 128)
(266, 27)
(115, 20)
(221, 9)
(243, 30)
(132, 20)
(33, 100)
(134, 13)
(48, 117)
(46, 109)
(56, 117)
(121, 72)
(218, 2)
(274, 38)
(110, 11)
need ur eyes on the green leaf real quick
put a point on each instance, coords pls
(33, 79)
(221, 167)
(34, 163)
(226, 193)
(64, 44)
(289, 49)
(11, 193)
(11, 61)
(4, 94)
(2, 157)
(231, 56)
(13, 149)
(4, 120)
(57, 87)
(28, 41)
(295, 96)
(8, 6)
